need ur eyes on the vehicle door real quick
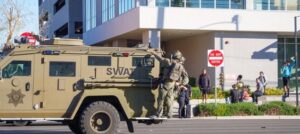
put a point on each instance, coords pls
(16, 86)
(61, 74)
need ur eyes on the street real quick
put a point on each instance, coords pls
(177, 126)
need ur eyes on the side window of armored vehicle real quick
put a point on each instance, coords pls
(99, 61)
(17, 68)
(143, 61)
(64, 69)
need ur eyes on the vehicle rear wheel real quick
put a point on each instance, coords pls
(20, 123)
(99, 117)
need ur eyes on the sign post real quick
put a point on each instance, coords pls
(215, 58)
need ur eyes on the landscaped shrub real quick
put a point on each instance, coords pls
(196, 93)
(192, 81)
(236, 109)
(277, 108)
(273, 91)
(245, 109)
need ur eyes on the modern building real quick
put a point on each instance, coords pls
(61, 18)
(255, 35)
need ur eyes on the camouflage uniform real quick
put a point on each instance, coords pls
(166, 90)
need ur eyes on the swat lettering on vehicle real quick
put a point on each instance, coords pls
(119, 71)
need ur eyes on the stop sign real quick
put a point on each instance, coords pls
(215, 58)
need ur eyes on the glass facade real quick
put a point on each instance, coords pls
(276, 4)
(125, 5)
(162, 3)
(207, 4)
(90, 14)
(238, 4)
(193, 3)
(286, 50)
(177, 3)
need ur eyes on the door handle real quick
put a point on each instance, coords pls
(27, 86)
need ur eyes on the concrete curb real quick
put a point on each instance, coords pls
(280, 117)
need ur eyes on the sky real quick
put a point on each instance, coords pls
(31, 21)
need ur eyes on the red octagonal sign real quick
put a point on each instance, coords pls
(215, 58)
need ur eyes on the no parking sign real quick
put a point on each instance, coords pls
(215, 58)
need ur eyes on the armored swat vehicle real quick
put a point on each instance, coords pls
(91, 89)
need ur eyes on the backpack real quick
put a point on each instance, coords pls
(175, 71)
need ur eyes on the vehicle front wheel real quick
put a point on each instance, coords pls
(99, 117)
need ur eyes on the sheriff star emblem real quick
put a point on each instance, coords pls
(15, 97)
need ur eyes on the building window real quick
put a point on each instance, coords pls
(208, 4)
(177, 3)
(111, 9)
(162, 3)
(58, 5)
(292, 4)
(277, 4)
(237, 4)
(262, 4)
(104, 11)
(143, 61)
(62, 31)
(192, 3)
(286, 50)
(78, 28)
(17, 68)
(126, 5)
(65, 69)
(222, 3)
(90, 14)
(99, 61)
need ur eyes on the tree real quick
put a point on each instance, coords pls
(12, 18)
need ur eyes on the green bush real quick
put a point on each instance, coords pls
(245, 109)
(196, 94)
(192, 81)
(277, 108)
(273, 91)
(236, 109)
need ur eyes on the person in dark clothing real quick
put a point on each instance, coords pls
(258, 92)
(204, 85)
(183, 100)
(234, 94)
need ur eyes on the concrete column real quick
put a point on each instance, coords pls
(152, 37)
(119, 43)
(249, 4)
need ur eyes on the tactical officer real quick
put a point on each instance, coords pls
(171, 71)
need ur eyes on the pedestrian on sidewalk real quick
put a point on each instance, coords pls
(234, 94)
(286, 72)
(204, 84)
(184, 100)
(262, 82)
(257, 93)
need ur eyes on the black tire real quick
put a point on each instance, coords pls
(20, 123)
(99, 118)
(74, 126)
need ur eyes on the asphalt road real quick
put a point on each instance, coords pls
(178, 127)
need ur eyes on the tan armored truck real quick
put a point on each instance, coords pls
(91, 89)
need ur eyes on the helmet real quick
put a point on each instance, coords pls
(177, 55)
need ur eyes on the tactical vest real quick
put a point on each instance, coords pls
(175, 71)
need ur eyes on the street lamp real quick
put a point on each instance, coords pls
(296, 58)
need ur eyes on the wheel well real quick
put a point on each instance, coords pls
(110, 99)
